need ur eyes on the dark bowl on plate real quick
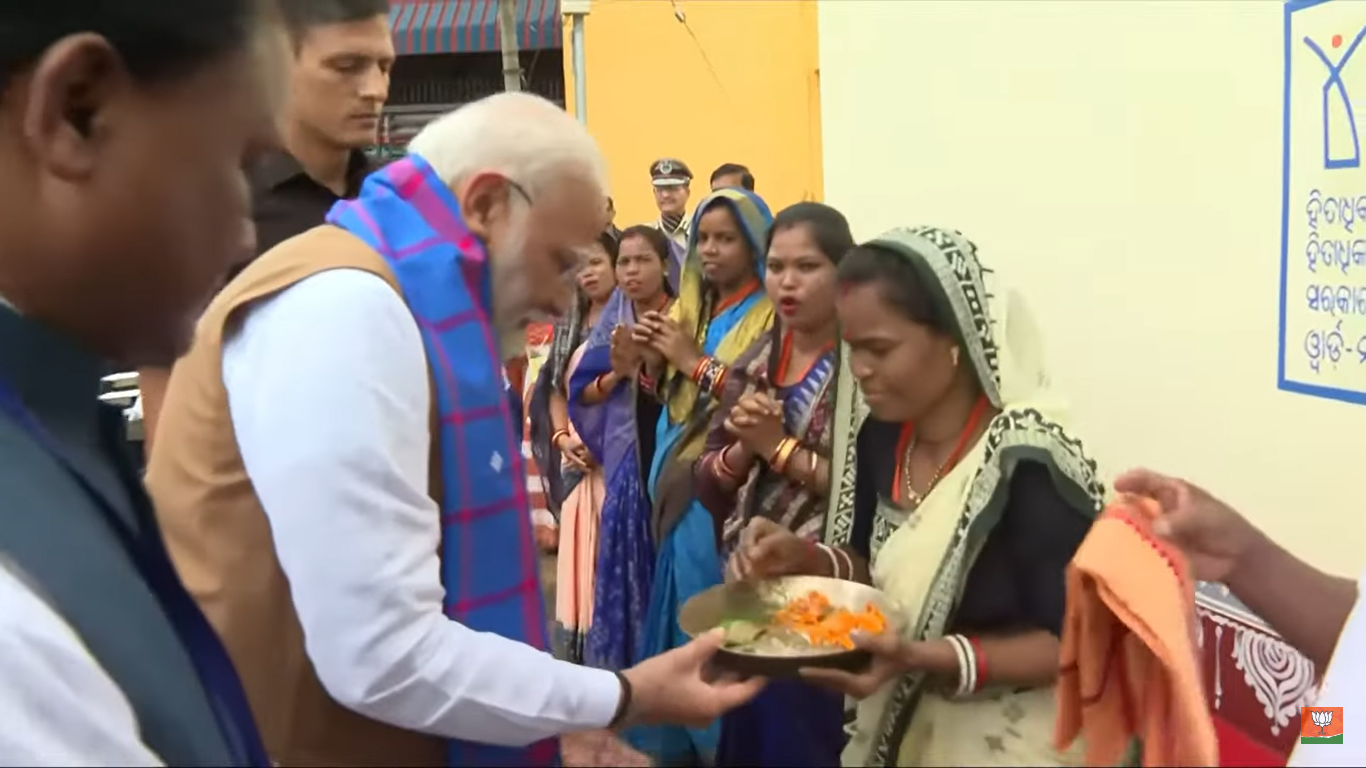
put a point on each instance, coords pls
(741, 600)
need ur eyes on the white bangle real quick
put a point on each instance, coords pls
(967, 664)
(848, 562)
(834, 562)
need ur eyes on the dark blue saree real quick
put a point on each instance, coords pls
(626, 552)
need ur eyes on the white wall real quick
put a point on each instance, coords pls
(1121, 162)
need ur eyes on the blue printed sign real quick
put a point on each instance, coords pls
(1323, 219)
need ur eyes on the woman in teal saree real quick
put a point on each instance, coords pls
(721, 310)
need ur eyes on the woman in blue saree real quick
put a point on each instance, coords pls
(721, 310)
(579, 510)
(611, 431)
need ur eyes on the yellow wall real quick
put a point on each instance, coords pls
(1121, 161)
(742, 87)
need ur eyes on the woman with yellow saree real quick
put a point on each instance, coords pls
(970, 498)
(721, 309)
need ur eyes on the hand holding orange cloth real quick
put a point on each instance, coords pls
(1130, 667)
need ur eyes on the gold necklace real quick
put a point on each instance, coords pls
(912, 440)
(913, 497)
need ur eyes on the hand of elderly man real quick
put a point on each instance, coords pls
(681, 688)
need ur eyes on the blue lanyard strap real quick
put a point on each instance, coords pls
(206, 651)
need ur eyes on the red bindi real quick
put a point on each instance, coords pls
(1337, 41)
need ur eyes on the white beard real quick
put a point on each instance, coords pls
(511, 294)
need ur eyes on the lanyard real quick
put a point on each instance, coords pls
(216, 672)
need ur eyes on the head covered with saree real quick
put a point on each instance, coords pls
(921, 558)
(697, 298)
(722, 332)
(722, 328)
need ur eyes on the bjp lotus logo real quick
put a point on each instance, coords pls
(1321, 725)
(1322, 718)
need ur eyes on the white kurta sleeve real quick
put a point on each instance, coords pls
(328, 387)
(58, 707)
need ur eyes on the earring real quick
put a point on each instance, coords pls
(953, 353)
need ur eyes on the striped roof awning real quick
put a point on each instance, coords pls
(471, 26)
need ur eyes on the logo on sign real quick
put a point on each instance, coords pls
(1320, 725)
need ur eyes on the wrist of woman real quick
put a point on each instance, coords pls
(730, 471)
(1255, 555)
(822, 560)
(606, 382)
(688, 364)
(936, 657)
(802, 465)
(780, 454)
(739, 457)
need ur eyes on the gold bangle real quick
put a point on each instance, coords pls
(813, 464)
(555, 438)
(720, 381)
(780, 458)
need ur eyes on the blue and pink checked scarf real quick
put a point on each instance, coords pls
(488, 556)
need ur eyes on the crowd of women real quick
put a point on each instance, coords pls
(800, 404)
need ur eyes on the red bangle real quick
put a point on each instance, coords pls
(980, 663)
(697, 371)
(725, 467)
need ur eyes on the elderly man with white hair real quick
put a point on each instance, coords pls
(341, 483)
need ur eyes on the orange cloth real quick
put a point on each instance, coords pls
(1130, 664)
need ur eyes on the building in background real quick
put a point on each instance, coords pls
(449, 55)
(706, 82)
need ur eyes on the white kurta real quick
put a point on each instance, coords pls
(328, 387)
(58, 707)
(1344, 685)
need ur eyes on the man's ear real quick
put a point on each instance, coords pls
(68, 106)
(484, 200)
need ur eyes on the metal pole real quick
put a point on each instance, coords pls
(580, 71)
(507, 40)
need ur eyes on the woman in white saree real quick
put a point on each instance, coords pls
(968, 500)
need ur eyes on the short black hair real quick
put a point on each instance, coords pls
(157, 39)
(726, 169)
(902, 285)
(827, 226)
(609, 242)
(302, 15)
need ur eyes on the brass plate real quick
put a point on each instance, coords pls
(738, 600)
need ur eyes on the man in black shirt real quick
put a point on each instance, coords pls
(338, 80)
